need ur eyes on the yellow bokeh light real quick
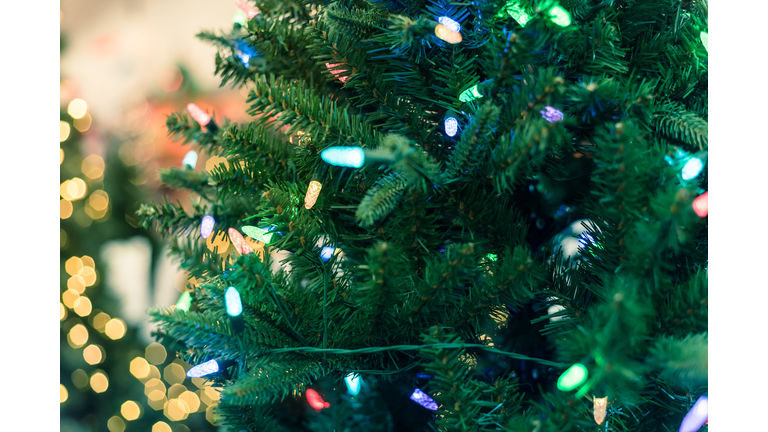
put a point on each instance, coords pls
(211, 417)
(174, 374)
(130, 410)
(215, 161)
(62, 238)
(139, 368)
(64, 130)
(100, 321)
(154, 372)
(69, 298)
(65, 209)
(62, 312)
(157, 404)
(153, 385)
(61, 155)
(73, 266)
(72, 190)
(80, 378)
(155, 353)
(218, 240)
(76, 283)
(115, 424)
(93, 354)
(63, 395)
(161, 427)
(89, 276)
(83, 123)
(192, 401)
(176, 410)
(176, 390)
(93, 166)
(78, 336)
(200, 382)
(88, 262)
(83, 306)
(99, 200)
(77, 108)
(115, 328)
(210, 395)
(99, 382)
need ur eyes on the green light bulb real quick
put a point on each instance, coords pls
(705, 40)
(258, 234)
(185, 301)
(469, 94)
(560, 16)
(573, 377)
(492, 257)
(240, 18)
(515, 11)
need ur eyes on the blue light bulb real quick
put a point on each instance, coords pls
(232, 302)
(206, 227)
(190, 159)
(353, 384)
(424, 400)
(692, 168)
(451, 126)
(451, 24)
(326, 253)
(203, 369)
(352, 157)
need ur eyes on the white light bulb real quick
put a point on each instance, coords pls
(451, 126)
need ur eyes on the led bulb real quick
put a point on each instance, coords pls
(336, 72)
(451, 126)
(203, 369)
(450, 24)
(232, 302)
(560, 16)
(697, 416)
(239, 18)
(326, 253)
(237, 239)
(258, 234)
(701, 204)
(518, 13)
(247, 9)
(493, 257)
(551, 114)
(598, 410)
(190, 159)
(353, 383)
(206, 226)
(197, 113)
(692, 168)
(705, 40)
(470, 94)
(185, 301)
(573, 377)
(447, 35)
(313, 191)
(352, 157)
(423, 399)
(315, 400)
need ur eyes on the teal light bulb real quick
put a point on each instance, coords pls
(692, 168)
(352, 157)
(353, 383)
(232, 302)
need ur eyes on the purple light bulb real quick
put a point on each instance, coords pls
(551, 114)
(423, 399)
(697, 416)
(206, 227)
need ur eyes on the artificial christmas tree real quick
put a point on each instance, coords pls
(418, 185)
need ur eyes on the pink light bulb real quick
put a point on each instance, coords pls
(315, 400)
(701, 204)
(239, 242)
(198, 114)
(247, 9)
(337, 72)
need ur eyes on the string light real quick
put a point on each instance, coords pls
(470, 94)
(598, 410)
(423, 399)
(185, 301)
(692, 168)
(326, 253)
(444, 33)
(313, 191)
(518, 13)
(337, 72)
(203, 369)
(190, 159)
(64, 130)
(240, 244)
(551, 114)
(352, 157)
(701, 204)
(573, 377)
(451, 126)
(234, 308)
(201, 117)
(315, 400)
(259, 234)
(206, 226)
(450, 24)
(77, 108)
(353, 383)
(560, 16)
(247, 9)
(697, 416)
(705, 40)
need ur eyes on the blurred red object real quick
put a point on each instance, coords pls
(315, 400)
(701, 204)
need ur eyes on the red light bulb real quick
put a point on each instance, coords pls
(701, 205)
(239, 242)
(315, 400)
(198, 114)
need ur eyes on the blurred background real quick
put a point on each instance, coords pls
(126, 65)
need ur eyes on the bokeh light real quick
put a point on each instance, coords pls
(130, 410)
(72, 190)
(61, 155)
(152, 386)
(176, 390)
(62, 238)
(65, 209)
(157, 400)
(69, 297)
(83, 123)
(64, 130)
(93, 166)
(99, 382)
(89, 276)
(174, 374)
(77, 336)
(93, 354)
(211, 417)
(218, 241)
(77, 108)
(139, 367)
(155, 353)
(100, 321)
(62, 312)
(170, 79)
(192, 401)
(115, 424)
(79, 378)
(73, 266)
(76, 283)
(176, 410)
(83, 306)
(115, 328)
(161, 427)
(63, 394)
